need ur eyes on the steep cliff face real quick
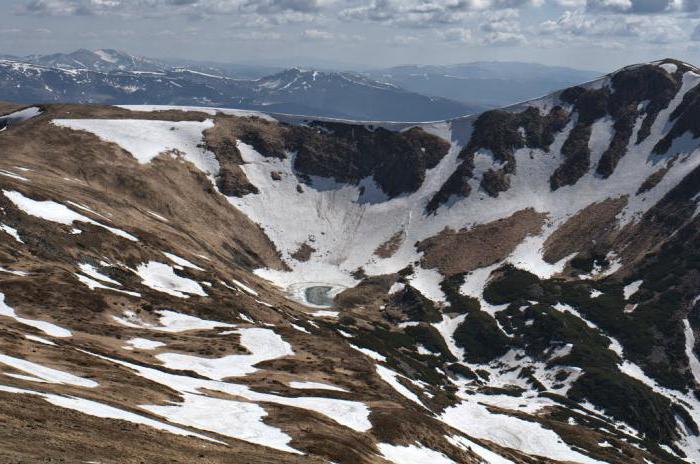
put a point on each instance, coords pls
(517, 286)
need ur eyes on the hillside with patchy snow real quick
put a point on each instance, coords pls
(519, 286)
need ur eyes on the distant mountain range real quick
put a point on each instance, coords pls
(112, 77)
(484, 83)
(404, 93)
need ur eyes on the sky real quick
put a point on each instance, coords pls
(599, 35)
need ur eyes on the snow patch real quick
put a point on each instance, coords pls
(143, 344)
(263, 345)
(632, 288)
(56, 212)
(162, 278)
(46, 374)
(306, 385)
(182, 261)
(12, 232)
(93, 408)
(170, 321)
(412, 454)
(390, 377)
(48, 328)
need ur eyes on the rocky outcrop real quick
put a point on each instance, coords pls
(501, 133)
(634, 92)
(349, 153)
(456, 185)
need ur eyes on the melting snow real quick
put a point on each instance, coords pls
(170, 321)
(669, 67)
(48, 328)
(11, 231)
(390, 377)
(367, 352)
(90, 270)
(89, 210)
(46, 373)
(10, 271)
(690, 351)
(182, 261)
(412, 454)
(315, 386)
(34, 338)
(263, 344)
(204, 109)
(348, 413)
(162, 278)
(157, 216)
(20, 116)
(93, 284)
(93, 408)
(489, 456)
(143, 344)
(237, 419)
(244, 287)
(13, 175)
(325, 313)
(632, 288)
(56, 212)
(300, 328)
(396, 287)
(529, 437)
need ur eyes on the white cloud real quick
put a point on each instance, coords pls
(403, 40)
(426, 14)
(316, 34)
(648, 28)
(456, 34)
(499, 28)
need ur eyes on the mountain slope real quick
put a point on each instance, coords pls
(104, 60)
(518, 286)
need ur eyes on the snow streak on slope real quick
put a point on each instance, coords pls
(56, 212)
(97, 409)
(48, 328)
(412, 454)
(47, 374)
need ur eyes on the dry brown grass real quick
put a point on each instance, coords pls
(454, 252)
(391, 246)
(593, 226)
(8, 107)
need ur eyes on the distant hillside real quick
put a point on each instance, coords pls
(485, 83)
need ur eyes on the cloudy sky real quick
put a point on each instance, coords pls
(591, 34)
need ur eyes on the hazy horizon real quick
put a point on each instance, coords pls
(302, 61)
(583, 34)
